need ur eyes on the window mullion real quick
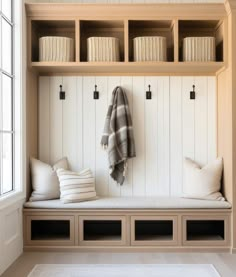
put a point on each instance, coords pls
(6, 132)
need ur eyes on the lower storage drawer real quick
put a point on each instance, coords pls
(102, 230)
(154, 230)
(206, 231)
(50, 230)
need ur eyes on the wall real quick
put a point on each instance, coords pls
(167, 128)
(11, 234)
(11, 237)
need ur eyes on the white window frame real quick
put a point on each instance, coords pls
(19, 106)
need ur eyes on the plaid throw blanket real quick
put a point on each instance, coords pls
(118, 135)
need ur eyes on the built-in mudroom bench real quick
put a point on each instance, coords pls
(132, 224)
(181, 104)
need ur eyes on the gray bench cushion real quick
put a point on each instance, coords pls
(132, 203)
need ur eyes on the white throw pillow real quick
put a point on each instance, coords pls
(45, 183)
(76, 187)
(205, 182)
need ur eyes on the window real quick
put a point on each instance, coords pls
(7, 97)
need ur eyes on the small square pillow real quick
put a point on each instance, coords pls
(205, 182)
(45, 183)
(76, 187)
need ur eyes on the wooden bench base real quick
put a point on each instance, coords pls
(198, 230)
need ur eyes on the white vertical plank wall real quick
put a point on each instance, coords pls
(139, 165)
(55, 120)
(167, 128)
(176, 136)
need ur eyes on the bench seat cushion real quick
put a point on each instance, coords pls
(132, 203)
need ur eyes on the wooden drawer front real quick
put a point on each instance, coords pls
(154, 230)
(50, 230)
(102, 230)
(206, 230)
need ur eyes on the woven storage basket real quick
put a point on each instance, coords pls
(56, 49)
(199, 49)
(103, 49)
(149, 49)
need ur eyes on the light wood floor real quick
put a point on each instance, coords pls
(224, 263)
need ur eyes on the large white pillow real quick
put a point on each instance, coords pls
(205, 182)
(76, 187)
(45, 183)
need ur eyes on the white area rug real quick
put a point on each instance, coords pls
(124, 270)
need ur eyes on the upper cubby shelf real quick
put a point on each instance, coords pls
(43, 28)
(150, 28)
(130, 39)
(101, 28)
(202, 28)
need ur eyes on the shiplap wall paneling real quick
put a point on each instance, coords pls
(44, 119)
(200, 151)
(151, 137)
(79, 123)
(139, 165)
(157, 136)
(101, 162)
(56, 120)
(212, 119)
(70, 114)
(188, 118)
(176, 136)
(167, 128)
(89, 138)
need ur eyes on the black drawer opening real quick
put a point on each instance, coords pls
(50, 230)
(205, 230)
(156, 230)
(102, 230)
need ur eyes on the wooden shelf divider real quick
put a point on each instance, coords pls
(77, 41)
(176, 40)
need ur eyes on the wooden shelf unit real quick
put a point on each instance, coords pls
(132, 23)
(224, 18)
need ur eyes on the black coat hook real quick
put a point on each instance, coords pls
(62, 94)
(149, 93)
(96, 93)
(193, 93)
